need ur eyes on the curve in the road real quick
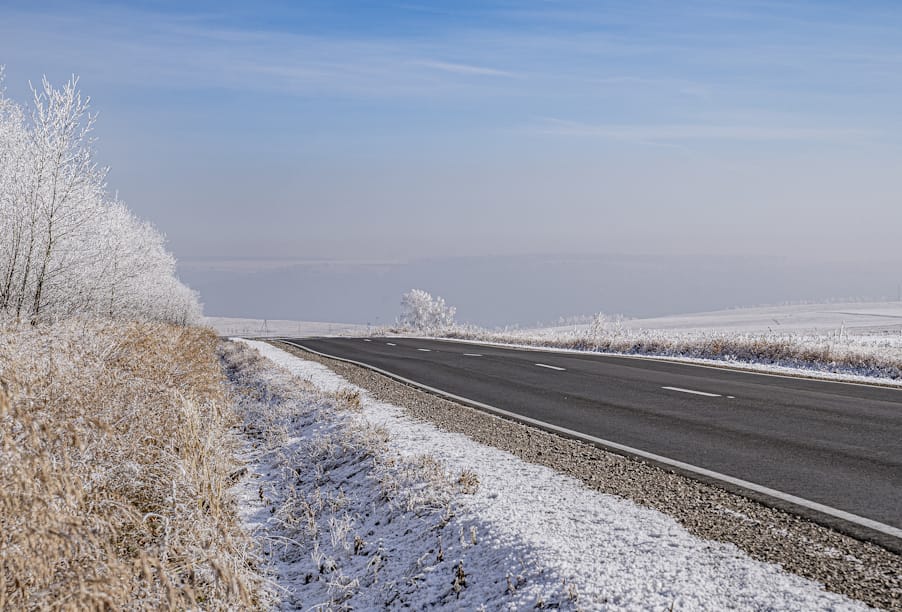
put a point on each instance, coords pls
(828, 451)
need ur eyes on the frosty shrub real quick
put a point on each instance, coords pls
(67, 247)
(422, 312)
(602, 328)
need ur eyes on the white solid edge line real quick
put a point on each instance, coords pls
(551, 367)
(745, 484)
(723, 366)
(681, 390)
(425, 350)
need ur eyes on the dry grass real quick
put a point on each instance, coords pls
(347, 398)
(115, 460)
(468, 482)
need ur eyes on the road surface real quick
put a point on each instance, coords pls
(833, 444)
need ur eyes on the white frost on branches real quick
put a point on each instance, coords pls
(66, 246)
(422, 312)
(605, 329)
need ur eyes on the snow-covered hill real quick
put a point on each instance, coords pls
(858, 318)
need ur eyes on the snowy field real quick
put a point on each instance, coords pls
(875, 320)
(854, 318)
(268, 328)
(526, 536)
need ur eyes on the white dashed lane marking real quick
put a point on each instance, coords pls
(391, 344)
(551, 367)
(472, 355)
(692, 392)
(425, 350)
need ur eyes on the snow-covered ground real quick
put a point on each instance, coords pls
(526, 535)
(268, 328)
(877, 321)
(855, 318)
(853, 324)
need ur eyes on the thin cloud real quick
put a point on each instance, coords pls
(662, 133)
(465, 69)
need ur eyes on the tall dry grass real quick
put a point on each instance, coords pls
(115, 460)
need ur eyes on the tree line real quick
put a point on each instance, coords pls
(67, 247)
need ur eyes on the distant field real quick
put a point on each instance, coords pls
(854, 318)
(858, 318)
(231, 326)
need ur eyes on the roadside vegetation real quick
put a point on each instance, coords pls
(116, 456)
(67, 247)
(117, 446)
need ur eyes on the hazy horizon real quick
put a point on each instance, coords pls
(529, 289)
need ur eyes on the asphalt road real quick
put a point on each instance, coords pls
(834, 444)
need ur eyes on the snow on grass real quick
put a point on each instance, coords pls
(348, 523)
(870, 329)
(578, 547)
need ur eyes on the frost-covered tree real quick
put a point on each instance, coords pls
(66, 247)
(422, 312)
(604, 329)
(15, 206)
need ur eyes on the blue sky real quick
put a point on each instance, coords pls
(386, 131)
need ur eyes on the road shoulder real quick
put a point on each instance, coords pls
(843, 564)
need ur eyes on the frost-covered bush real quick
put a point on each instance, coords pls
(603, 328)
(422, 312)
(66, 246)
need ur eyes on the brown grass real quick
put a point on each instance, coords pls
(115, 460)
(347, 398)
(468, 482)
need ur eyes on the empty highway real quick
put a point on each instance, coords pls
(834, 444)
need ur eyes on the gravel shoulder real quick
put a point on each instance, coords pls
(859, 570)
